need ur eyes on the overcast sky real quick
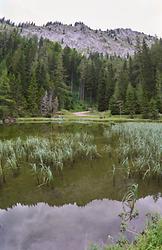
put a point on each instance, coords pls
(141, 15)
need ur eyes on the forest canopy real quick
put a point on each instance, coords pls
(37, 77)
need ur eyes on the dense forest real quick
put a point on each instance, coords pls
(39, 77)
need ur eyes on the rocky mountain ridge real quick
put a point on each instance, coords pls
(120, 42)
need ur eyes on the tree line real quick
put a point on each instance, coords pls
(37, 77)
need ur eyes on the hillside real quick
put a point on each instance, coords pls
(118, 42)
(38, 77)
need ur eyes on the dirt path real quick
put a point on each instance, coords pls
(83, 113)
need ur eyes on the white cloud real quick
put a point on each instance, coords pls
(142, 15)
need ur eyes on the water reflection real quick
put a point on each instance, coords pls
(69, 227)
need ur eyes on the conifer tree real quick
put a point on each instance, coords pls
(116, 103)
(110, 82)
(102, 91)
(33, 96)
(123, 81)
(59, 88)
(153, 110)
(5, 95)
(139, 98)
(20, 104)
(159, 90)
(82, 71)
(147, 71)
(130, 105)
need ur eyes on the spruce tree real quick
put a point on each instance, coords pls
(58, 87)
(159, 90)
(153, 110)
(20, 104)
(116, 104)
(139, 98)
(82, 76)
(130, 105)
(6, 102)
(33, 96)
(147, 71)
(123, 81)
(102, 91)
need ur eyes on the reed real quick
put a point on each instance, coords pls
(5, 149)
(138, 148)
(13, 164)
(45, 155)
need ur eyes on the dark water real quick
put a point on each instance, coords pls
(47, 220)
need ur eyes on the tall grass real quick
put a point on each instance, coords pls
(45, 156)
(138, 148)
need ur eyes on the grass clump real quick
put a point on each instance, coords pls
(45, 156)
(138, 148)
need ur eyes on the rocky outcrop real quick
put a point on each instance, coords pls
(79, 36)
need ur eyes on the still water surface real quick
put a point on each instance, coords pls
(82, 208)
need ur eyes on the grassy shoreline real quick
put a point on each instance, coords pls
(23, 121)
(89, 118)
(85, 116)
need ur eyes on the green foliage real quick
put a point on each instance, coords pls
(116, 102)
(44, 156)
(5, 95)
(130, 105)
(30, 68)
(138, 149)
(33, 96)
(154, 113)
(151, 239)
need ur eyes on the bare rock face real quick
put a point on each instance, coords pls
(118, 42)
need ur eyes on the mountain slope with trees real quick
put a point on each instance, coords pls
(38, 76)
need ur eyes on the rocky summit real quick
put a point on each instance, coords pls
(120, 42)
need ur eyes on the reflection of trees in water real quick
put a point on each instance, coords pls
(156, 197)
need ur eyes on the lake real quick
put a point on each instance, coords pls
(83, 206)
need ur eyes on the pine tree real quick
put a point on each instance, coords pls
(130, 105)
(5, 96)
(153, 110)
(42, 75)
(139, 98)
(116, 103)
(82, 71)
(110, 82)
(20, 104)
(123, 81)
(102, 90)
(89, 82)
(145, 107)
(59, 88)
(147, 71)
(33, 96)
(159, 90)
